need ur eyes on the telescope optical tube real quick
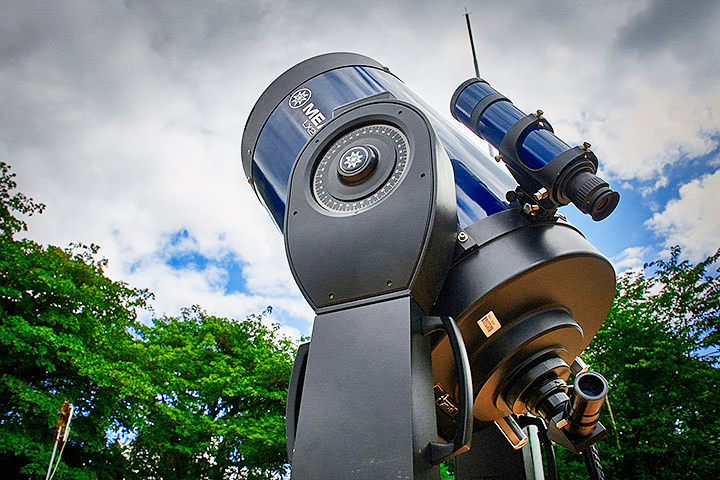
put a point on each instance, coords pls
(549, 171)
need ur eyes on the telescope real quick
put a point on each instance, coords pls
(449, 292)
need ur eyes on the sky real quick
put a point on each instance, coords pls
(125, 119)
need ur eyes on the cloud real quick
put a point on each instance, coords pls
(691, 220)
(125, 118)
(175, 288)
(632, 258)
(669, 26)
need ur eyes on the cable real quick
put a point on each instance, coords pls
(526, 420)
(550, 454)
(592, 463)
(52, 459)
(64, 434)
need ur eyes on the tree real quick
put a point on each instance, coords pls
(194, 396)
(220, 403)
(659, 351)
(64, 333)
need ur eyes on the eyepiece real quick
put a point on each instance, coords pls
(592, 386)
(592, 195)
(589, 394)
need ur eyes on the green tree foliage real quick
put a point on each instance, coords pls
(189, 397)
(220, 404)
(659, 351)
(63, 333)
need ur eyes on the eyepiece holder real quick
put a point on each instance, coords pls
(571, 412)
(574, 422)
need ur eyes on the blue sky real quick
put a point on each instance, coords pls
(125, 118)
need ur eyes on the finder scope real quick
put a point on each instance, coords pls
(549, 171)
(448, 297)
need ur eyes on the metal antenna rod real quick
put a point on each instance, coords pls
(472, 43)
(475, 61)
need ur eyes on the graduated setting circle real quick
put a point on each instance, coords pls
(360, 169)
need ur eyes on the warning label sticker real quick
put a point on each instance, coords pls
(489, 324)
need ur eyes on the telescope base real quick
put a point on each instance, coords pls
(367, 409)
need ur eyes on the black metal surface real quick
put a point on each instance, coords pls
(403, 243)
(367, 410)
(521, 268)
(492, 458)
(294, 398)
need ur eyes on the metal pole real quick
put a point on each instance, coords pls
(536, 452)
(472, 43)
(475, 61)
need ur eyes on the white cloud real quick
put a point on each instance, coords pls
(692, 220)
(176, 288)
(657, 127)
(125, 119)
(632, 258)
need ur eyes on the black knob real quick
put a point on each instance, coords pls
(357, 164)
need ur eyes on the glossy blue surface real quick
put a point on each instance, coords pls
(538, 147)
(480, 183)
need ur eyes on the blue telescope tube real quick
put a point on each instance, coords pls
(537, 149)
(277, 131)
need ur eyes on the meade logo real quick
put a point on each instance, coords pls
(315, 119)
(300, 98)
(313, 114)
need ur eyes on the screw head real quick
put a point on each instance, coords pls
(540, 113)
(541, 194)
(498, 158)
(530, 209)
(463, 237)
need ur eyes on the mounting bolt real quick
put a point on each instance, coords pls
(463, 237)
(530, 209)
(586, 146)
(540, 113)
(541, 194)
(579, 366)
(498, 158)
